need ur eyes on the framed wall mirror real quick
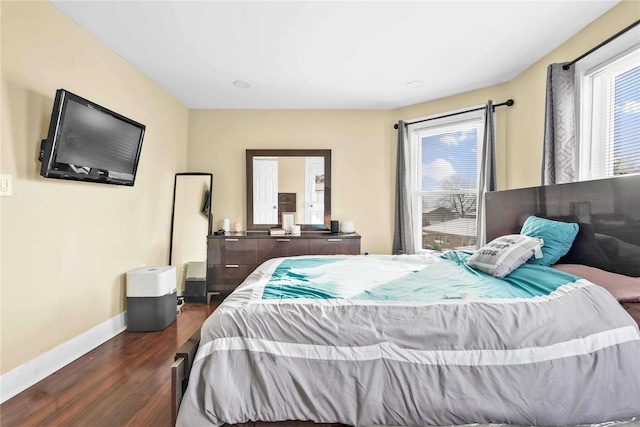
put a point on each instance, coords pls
(190, 222)
(285, 182)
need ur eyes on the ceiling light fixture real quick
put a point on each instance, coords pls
(414, 84)
(241, 84)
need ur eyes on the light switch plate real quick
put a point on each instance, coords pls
(6, 187)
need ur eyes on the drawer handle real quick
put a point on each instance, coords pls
(230, 240)
(231, 266)
(334, 240)
(283, 240)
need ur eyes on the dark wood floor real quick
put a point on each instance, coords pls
(124, 382)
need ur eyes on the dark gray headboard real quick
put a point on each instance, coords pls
(608, 211)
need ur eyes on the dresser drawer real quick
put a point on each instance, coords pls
(334, 246)
(230, 250)
(279, 247)
(228, 274)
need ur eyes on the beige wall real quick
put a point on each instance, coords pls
(361, 142)
(67, 245)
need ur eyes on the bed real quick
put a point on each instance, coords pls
(438, 339)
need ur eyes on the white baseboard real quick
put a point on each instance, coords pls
(24, 376)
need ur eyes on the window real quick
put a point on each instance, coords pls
(608, 83)
(446, 157)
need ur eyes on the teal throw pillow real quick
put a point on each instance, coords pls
(558, 237)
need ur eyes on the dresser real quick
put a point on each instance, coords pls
(232, 257)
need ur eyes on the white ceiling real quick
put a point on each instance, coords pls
(330, 54)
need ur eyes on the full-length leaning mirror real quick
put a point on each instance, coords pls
(294, 182)
(190, 222)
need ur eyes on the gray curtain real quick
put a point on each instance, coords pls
(487, 175)
(558, 158)
(403, 241)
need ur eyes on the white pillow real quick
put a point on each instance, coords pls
(506, 253)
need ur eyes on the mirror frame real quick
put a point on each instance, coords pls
(326, 227)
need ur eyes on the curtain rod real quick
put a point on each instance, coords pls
(610, 39)
(508, 103)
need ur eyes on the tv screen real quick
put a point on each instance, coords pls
(88, 142)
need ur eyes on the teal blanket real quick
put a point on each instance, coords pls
(405, 278)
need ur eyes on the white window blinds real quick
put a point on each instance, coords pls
(609, 141)
(445, 180)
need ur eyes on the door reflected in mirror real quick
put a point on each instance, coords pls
(288, 184)
(288, 181)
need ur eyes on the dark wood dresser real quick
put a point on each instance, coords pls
(232, 257)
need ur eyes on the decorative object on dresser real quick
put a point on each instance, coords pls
(348, 227)
(288, 220)
(277, 231)
(231, 258)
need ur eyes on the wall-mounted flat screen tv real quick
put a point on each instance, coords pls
(88, 142)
